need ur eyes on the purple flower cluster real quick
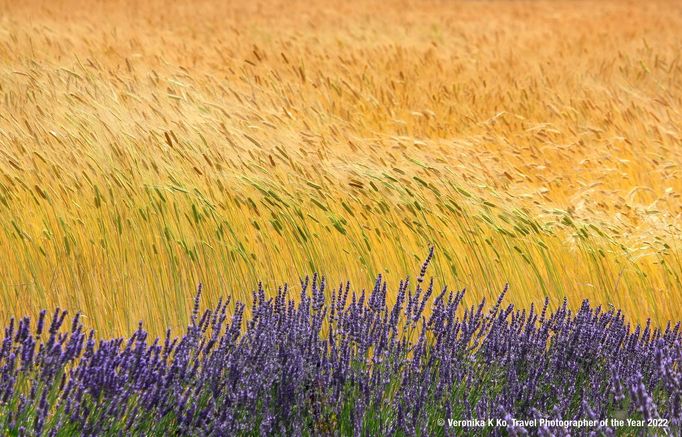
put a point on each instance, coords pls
(335, 361)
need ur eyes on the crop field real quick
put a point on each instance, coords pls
(149, 147)
(145, 148)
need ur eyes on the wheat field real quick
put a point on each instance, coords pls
(146, 147)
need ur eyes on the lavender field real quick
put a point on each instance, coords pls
(345, 362)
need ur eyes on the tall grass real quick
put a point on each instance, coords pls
(145, 148)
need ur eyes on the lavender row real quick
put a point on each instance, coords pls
(339, 362)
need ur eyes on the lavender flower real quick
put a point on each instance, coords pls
(364, 367)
